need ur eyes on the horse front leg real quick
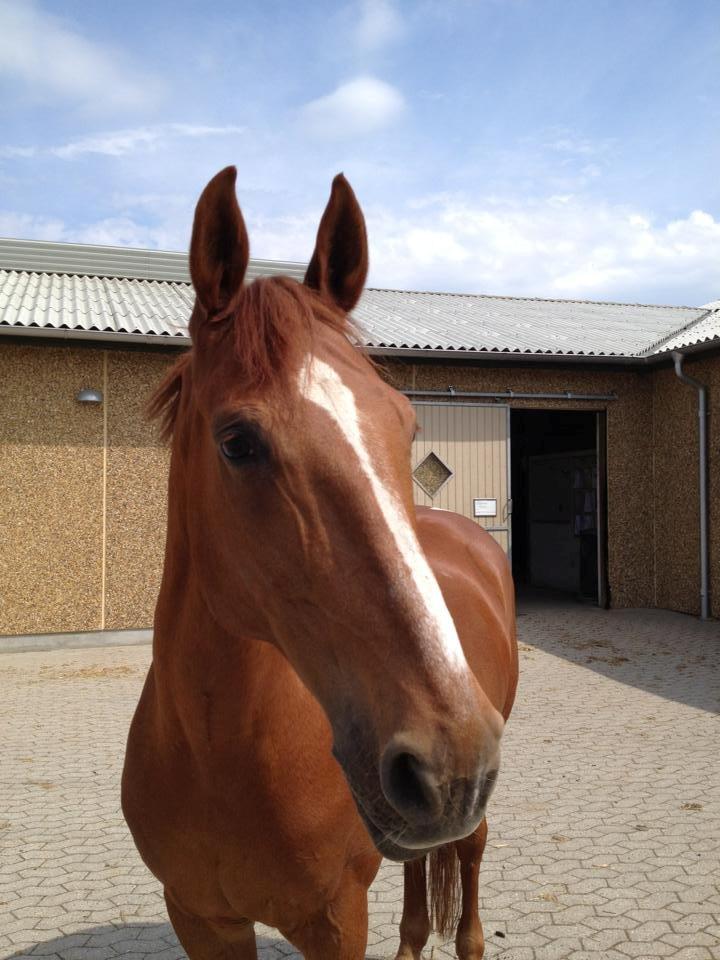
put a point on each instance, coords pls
(415, 923)
(469, 940)
(204, 941)
(340, 931)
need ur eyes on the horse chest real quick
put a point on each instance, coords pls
(251, 857)
(233, 831)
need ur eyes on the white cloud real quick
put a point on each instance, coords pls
(54, 61)
(25, 226)
(561, 247)
(355, 108)
(379, 24)
(110, 144)
(111, 231)
(126, 232)
(283, 238)
(120, 142)
(17, 153)
(577, 145)
(200, 130)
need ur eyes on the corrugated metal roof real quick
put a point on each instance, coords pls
(47, 287)
(52, 301)
(91, 260)
(442, 321)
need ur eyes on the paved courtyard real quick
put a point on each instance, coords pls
(605, 828)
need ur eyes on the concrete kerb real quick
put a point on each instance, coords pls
(72, 641)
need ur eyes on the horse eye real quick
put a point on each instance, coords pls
(240, 447)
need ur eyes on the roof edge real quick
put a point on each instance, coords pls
(466, 356)
(100, 336)
(502, 357)
(515, 298)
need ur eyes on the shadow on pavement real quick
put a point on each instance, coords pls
(672, 655)
(133, 941)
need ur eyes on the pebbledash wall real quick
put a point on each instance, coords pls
(83, 487)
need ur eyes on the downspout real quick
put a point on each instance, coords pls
(703, 469)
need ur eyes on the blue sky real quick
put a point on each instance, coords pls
(562, 148)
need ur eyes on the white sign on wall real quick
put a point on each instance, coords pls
(484, 508)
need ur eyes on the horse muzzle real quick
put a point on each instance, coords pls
(423, 791)
(413, 803)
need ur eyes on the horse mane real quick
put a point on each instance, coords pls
(275, 317)
(165, 401)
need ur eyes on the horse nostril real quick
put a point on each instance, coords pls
(484, 787)
(410, 786)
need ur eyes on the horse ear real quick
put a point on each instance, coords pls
(339, 265)
(219, 249)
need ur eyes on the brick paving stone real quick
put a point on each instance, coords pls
(644, 951)
(695, 953)
(603, 940)
(604, 830)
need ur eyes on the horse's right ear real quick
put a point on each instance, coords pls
(219, 249)
(338, 268)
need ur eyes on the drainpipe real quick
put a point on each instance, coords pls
(702, 416)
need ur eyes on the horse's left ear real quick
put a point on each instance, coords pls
(219, 249)
(339, 265)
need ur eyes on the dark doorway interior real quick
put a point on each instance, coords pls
(554, 477)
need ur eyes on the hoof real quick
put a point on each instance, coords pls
(470, 947)
(406, 952)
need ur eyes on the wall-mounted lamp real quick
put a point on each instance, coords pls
(89, 396)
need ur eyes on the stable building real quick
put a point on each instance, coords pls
(584, 436)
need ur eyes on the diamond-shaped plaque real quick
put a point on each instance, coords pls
(431, 474)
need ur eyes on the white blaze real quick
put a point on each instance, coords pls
(320, 384)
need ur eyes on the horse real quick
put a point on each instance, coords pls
(331, 670)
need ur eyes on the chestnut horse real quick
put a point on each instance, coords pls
(331, 670)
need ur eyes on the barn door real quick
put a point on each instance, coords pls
(461, 463)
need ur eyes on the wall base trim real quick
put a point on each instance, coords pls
(26, 643)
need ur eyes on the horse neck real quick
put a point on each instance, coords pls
(203, 677)
(213, 690)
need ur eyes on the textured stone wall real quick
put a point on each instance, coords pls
(676, 499)
(82, 489)
(137, 465)
(51, 465)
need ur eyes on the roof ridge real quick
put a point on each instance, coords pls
(94, 276)
(60, 244)
(115, 248)
(500, 296)
(87, 259)
(655, 346)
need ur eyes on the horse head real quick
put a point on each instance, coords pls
(300, 523)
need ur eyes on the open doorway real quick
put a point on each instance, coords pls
(557, 477)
